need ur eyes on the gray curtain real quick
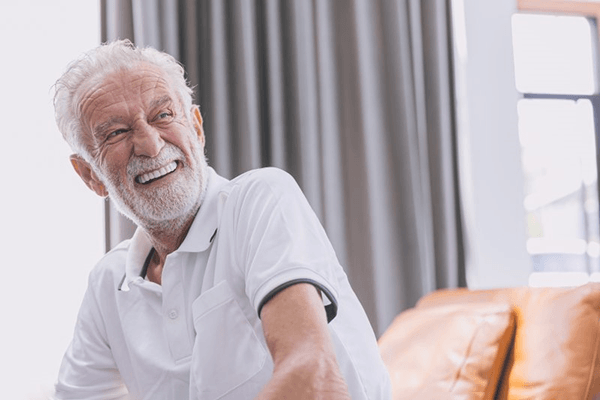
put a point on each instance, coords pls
(353, 98)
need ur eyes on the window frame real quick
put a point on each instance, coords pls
(578, 8)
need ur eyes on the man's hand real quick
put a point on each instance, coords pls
(305, 365)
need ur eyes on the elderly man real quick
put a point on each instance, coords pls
(228, 289)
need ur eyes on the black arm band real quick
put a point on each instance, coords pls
(330, 309)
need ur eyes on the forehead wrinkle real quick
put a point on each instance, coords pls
(89, 98)
(96, 95)
(153, 93)
(149, 81)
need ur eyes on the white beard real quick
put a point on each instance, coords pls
(166, 203)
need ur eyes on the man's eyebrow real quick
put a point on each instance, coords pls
(161, 101)
(100, 128)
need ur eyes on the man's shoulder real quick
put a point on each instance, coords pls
(111, 267)
(270, 179)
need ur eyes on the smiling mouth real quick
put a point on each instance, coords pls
(155, 175)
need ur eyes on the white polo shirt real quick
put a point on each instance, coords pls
(199, 335)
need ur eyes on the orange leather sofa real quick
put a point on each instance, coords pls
(516, 344)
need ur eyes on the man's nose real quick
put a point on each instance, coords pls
(147, 141)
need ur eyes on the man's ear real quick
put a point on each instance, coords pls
(197, 122)
(86, 173)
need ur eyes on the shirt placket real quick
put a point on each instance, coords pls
(173, 309)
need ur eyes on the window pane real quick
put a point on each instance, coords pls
(553, 54)
(559, 162)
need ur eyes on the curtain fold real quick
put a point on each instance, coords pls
(353, 98)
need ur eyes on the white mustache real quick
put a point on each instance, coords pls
(141, 164)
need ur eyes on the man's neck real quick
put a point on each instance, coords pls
(166, 237)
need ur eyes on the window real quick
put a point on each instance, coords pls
(556, 73)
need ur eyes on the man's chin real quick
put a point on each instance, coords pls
(152, 213)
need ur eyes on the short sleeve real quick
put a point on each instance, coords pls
(88, 370)
(280, 240)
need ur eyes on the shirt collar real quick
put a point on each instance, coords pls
(197, 239)
(206, 221)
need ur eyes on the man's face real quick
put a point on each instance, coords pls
(145, 150)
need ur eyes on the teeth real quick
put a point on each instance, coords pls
(157, 173)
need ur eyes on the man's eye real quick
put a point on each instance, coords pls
(116, 133)
(163, 115)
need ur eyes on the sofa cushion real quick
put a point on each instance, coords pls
(452, 351)
(556, 343)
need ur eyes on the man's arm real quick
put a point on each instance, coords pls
(305, 365)
(88, 370)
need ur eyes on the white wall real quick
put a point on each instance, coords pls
(51, 229)
(491, 171)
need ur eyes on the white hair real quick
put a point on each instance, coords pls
(96, 65)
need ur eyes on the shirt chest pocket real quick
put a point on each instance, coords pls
(227, 353)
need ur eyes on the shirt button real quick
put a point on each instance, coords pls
(173, 314)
